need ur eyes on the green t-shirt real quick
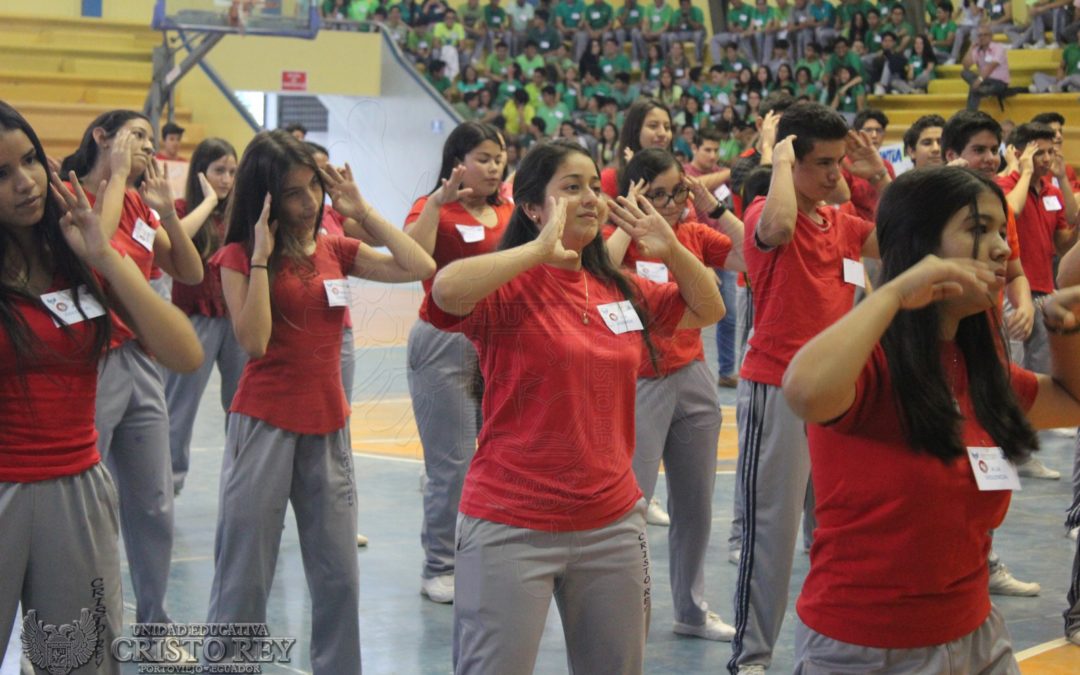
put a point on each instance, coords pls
(568, 95)
(535, 97)
(553, 116)
(598, 15)
(873, 40)
(547, 40)
(497, 68)
(941, 31)
(624, 99)
(758, 20)
(740, 17)
(610, 67)
(471, 16)
(917, 65)
(630, 17)
(571, 14)
(651, 70)
(681, 22)
(506, 91)
(466, 87)
(729, 149)
(448, 36)
(657, 18)
(598, 89)
(902, 31)
(495, 17)
(810, 91)
(1071, 57)
(529, 65)
(734, 66)
(848, 100)
(816, 68)
(851, 60)
(441, 84)
(847, 10)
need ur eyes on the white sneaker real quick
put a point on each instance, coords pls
(1039, 44)
(1004, 583)
(734, 557)
(1073, 533)
(1063, 432)
(714, 628)
(1074, 637)
(1034, 468)
(752, 670)
(438, 589)
(879, 90)
(951, 62)
(656, 515)
(361, 540)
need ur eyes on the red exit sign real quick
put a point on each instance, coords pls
(294, 80)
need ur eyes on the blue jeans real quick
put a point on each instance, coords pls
(725, 330)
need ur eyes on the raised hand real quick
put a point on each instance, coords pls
(704, 200)
(1019, 322)
(124, 143)
(768, 129)
(1062, 308)
(81, 223)
(264, 235)
(451, 190)
(784, 151)
(550, 239)
(863, 158)
(1027, 158)
(155, 189)
(933, 279)
(636, 216)
(344, 192)
(208, 191)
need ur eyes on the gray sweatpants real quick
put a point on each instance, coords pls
(774, 464)
(444, 383)
(348, 363)
(678, 420)
(183, 392)
(1072, 609)
(266, 468)
(1033, 353)
(986, 650)
(59, 540)
(133, 437)
(505, 579)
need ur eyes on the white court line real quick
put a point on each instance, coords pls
(1032, 652)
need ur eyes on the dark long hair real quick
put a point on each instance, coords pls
(209, 151)
(647, 165)
(632, 124)
(530, 184)
(912, 341)
(269, 157)
(48, 239)
(84, 158)
(465, 138)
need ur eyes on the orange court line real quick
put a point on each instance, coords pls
(387, 427)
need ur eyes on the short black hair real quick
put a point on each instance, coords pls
(316, 149)
(891, 34)
(811, 122)
(1032, 131)
(539, 123)
(962, 126)
(1049, 118)
(945, 5)
(869, 114)
(296, 126)
(911, 136)
(777, 102)
(548, 89)
(708, 134)
(171, 128)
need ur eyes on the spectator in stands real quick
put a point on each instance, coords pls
(802, 31)
(823, 21)
(677, 62)
(544, 35)
(847, 95)
(613, 61)
(858, 29)
(843, 56)
(899, 25)
(496, 24)
(922, 141)
(1047, 15)
(530, 60)
(813, 62)
(651, 67)
(943, 33)
(782, 27)
(669, 92)
(433, 12)
(395, 27)
(991, 68)
(656, 18)
(600, 21)
(781, 54)
(739, 32)
(1001, 21)
(607, 145)
(299, 131)
(920, 68)
(891, 65)
(1068, 73)
(520, 13)
(969, 16)
(551, 110)
(499, 63)
(570, 22)
(169, 148)
(687, 24)
(518, 113)
(734, 61)
(762, 16)
(472, 21)
(628, 23)
(622, 92)
(449, 36)
(805, 86)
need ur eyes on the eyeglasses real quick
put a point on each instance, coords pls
(662, 199)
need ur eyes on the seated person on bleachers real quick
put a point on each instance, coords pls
(535, 87)
(530, 59)
(874, 29)
(1001, 21)
(510, 86)
(655, 21)
(1047, 16)
(781, 55)
(436, 75)
(395, 26)
(687, 24)
(518, 112)
(813, 62)
(450, 34)
(622, 92)
(520, 15)
(805, 85)
(843, 56)
(943, 33)
(1068, 73)
(920, 68)
(651, 67)
(968, 15)
(899, 25)
(739, 32)
(718, 89)
(551, 110)
(846, 93)
(628, 22)
(986, 68)
(782, 28)
(762, 16)
(613, 61)
(734, 61)
(823, 20)
(678, 63)
(890, 67)
(560, 58)
(496, 26)
(570, 22)
(432, 12)
(600, 21)
(542, 34)
(499, 63)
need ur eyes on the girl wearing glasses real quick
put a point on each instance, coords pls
(678, 418)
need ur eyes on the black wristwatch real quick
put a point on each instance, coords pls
(719, 211)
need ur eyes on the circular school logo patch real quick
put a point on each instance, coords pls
(61, 306)
(983, 467)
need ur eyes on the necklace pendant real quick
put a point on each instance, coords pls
(584, 318)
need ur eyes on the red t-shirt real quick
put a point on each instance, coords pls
(296, 385)
(205, 298)
(135, 219)
(555, 449)
(455, 226)
(899, 554)
(334, 223)
(864, 197)
(47, 428)
(684, 347)
(1036, 226)
(609, 182)
(799, 288)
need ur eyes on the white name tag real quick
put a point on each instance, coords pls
(737, 66)
(595, 15)
(759, 23)
(62, 305)
(337, 292)
(854, 272)
(1055, 182)
(608, 67)
(782, 35)
(992, 470)
(545, 45)
(620, 317)
(653, 271)
(988, 59)
(722, 192)
(471, 233)
(144, 234)
(575, 16)
(1051, 203)
(996, 9)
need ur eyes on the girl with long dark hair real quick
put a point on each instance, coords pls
(916, 420)
(202, 213)
(647, 124)
(678, 414)
(463, 216)
(286, 292)
(132, 416)
(59, 276)
(550, 504)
